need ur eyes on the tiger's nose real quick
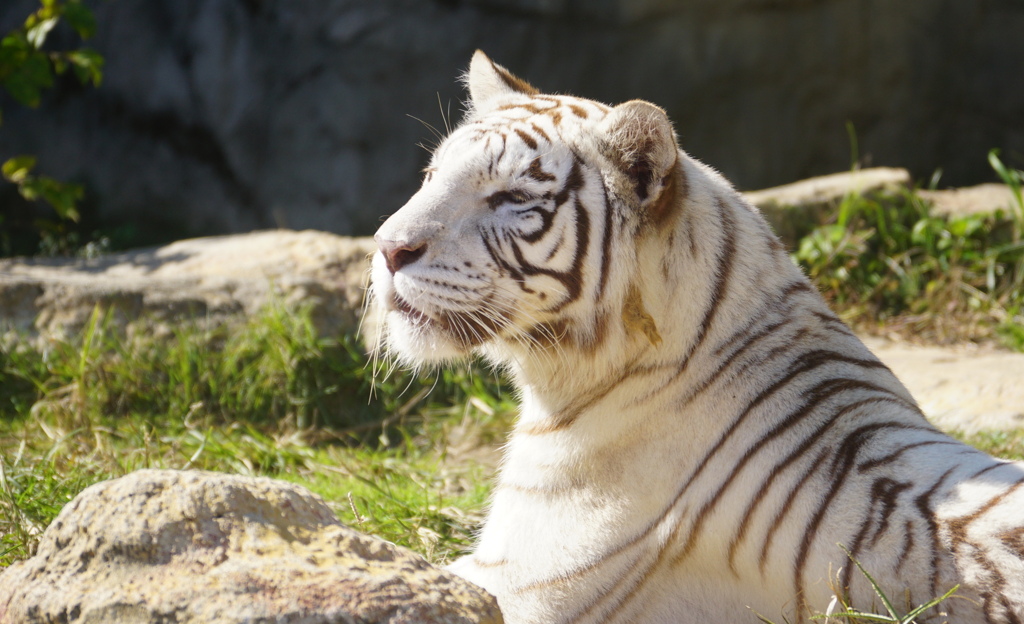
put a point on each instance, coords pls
(398, 254)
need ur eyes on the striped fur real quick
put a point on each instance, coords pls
(699, 433)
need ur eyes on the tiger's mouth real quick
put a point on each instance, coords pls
(410, 313)
(467, 329)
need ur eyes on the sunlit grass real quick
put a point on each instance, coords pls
(842, 609)
(1005, 444)
(888, 265)
(267, 396)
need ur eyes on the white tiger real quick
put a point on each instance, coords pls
(699, 435)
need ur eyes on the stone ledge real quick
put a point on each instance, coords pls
(197, 278)
(794, 209)
(971, 199)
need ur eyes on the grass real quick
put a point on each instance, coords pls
(842, 610)
(269, 396)
(888, 265)
(264, 397)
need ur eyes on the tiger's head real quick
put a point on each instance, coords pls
(523, 234)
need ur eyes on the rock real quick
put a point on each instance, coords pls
(212, 277)
(218, 117)
(960, 388)
(794, 209)
(166, 546)
(971, 199)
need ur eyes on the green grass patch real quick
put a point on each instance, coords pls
(266, 396)
(408, 495)
(1005, 444)
(888, 265)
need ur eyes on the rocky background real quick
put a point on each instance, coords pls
(221, 116)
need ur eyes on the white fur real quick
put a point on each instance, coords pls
(610, 505)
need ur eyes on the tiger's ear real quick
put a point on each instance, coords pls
(643, 145)
(487, 80)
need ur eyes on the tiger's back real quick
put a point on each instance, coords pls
(699, 433)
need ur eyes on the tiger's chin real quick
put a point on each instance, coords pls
(417, 338)
(417, 341)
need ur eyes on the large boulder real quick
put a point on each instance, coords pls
(206, 548)
(972, 200)
(225, 116)
(796, 208)
(212, 278)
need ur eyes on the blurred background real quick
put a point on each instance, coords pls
(220, 116)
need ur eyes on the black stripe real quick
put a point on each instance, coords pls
(540, 131)
(529, 107)
(811, 361)
(572, 279)
(883, 494)
(842, 467)
(923, 504)
(573, 182)
(606, 242)
(514, 82)
(504, 144)
(691, 235)
(503, 266)
(732, 357)
(536, 171)
(994, 466)
(612, 611)
(774, 305)
(809, 442)
(547, 220)
(1009, 610)
(820, 393)
(832, 322)
(723, 273)
(891, 457)
(908, 545)
(776, 522)
(555, 248)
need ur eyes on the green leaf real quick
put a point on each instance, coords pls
(80, 18)
(17, 169)
(88, 65)
(999, 167)
(14, 49)
(62, 196)
(28, 78)
(859, 615)
(37, 34)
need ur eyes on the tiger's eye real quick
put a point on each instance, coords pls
(507, 197)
